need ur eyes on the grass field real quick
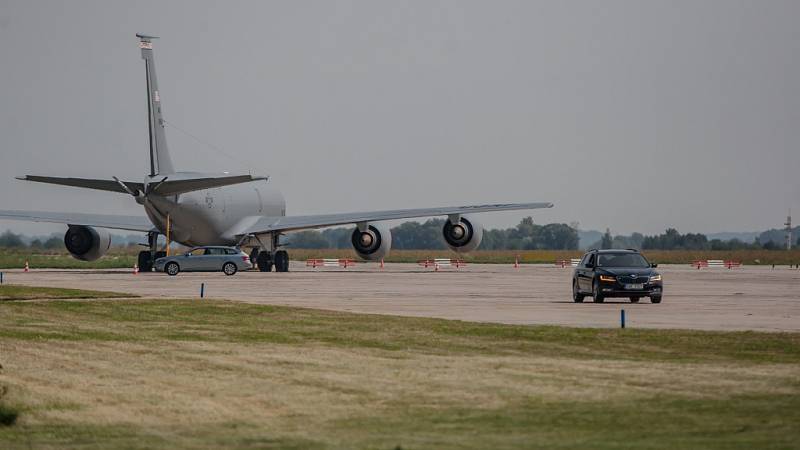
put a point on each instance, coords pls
(126, 257)
(16, 258)
(15, 292)
(211, 374)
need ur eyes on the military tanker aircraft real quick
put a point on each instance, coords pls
(248, 211)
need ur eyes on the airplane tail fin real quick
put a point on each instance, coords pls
(160, 161)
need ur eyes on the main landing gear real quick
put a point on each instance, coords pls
(266, 260)
(265, 255)
(147, 257)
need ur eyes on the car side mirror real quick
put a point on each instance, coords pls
(654, 265)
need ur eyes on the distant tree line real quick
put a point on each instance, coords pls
(671, 239)
(55, 241)
(428, 236)
(11, 240)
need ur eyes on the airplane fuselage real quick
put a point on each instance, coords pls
(212, 216)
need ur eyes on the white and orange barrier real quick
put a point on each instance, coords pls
(716, 263)
(442, 262)
(345, 263)
(563, 263)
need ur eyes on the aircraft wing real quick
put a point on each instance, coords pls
(131, 223)
(292, 223)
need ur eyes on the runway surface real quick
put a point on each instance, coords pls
(748, 298)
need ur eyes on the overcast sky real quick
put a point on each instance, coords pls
(636, 115)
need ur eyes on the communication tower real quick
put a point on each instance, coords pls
(789, 231)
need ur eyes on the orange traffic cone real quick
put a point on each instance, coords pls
(381, 263)
(27, 267)
(516, 262)
(135, 269)
(435, 267)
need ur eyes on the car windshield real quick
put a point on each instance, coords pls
(621, 260)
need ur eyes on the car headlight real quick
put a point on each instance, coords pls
(655, 278)
(608, 278)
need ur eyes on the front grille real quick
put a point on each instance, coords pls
(636, 279)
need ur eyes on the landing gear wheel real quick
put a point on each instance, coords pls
(597, 296)
(254, 257)
(634, 299)
(655, 299)
(229, 268)
(144, 261)
(264, 261)
(172, 269)
(577, 297)
(281, 261)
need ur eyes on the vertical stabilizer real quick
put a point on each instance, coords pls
(160, 162)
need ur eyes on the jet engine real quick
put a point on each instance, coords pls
(463, 236)
(86, 243)
(374, 243)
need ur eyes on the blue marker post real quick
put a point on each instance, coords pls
(202, 290)
(622, 318)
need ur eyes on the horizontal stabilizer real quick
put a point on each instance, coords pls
(172, 186)
(88, 183)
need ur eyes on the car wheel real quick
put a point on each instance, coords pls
(229, 268)
(576, 295)
(656, 299)
(172, 269)
(634, 299)
(597, 296)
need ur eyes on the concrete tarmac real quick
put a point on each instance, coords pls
(747, 298)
